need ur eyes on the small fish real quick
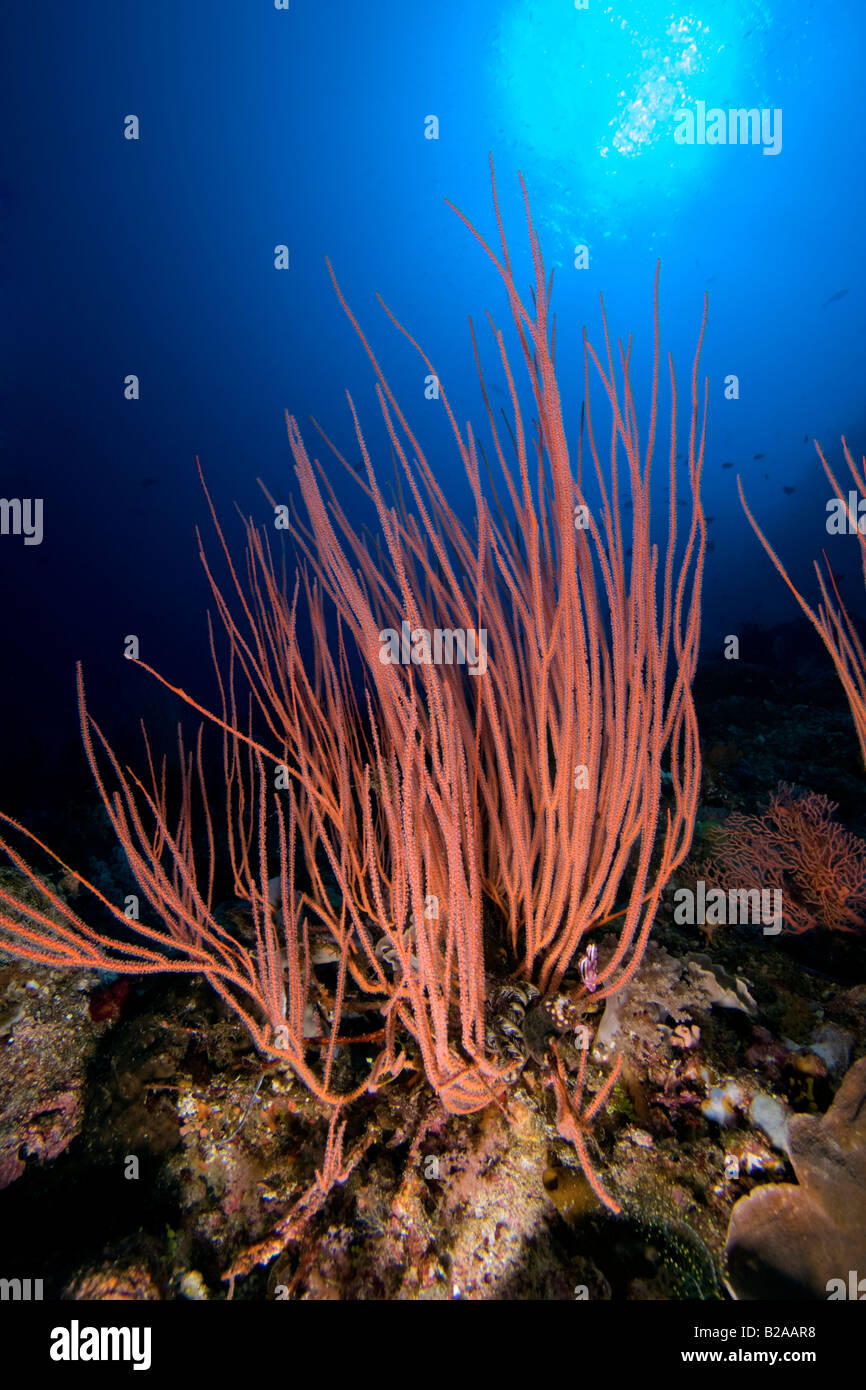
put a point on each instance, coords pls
(789, 490)
(629, 503)
(728, 464)
(497, 389)
(710, 279)
(709, 519)
(840, 294)
(767, 476)
(711, 545)
(758, 456)
(680, 502)
(805, 439)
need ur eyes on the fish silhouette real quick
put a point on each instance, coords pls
(840, 294)
(758, 456)
(728, 464)
(789, 490)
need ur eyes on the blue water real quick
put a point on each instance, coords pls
(260, 127)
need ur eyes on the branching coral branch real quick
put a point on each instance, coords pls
(832, 620)
(574, 1124)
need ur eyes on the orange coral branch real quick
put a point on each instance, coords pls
(534, 783)
(574, 1125)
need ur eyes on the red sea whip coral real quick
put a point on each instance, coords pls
(532, 791)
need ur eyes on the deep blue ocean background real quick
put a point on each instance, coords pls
(307, 127)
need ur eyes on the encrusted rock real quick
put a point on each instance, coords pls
(794, 1242)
